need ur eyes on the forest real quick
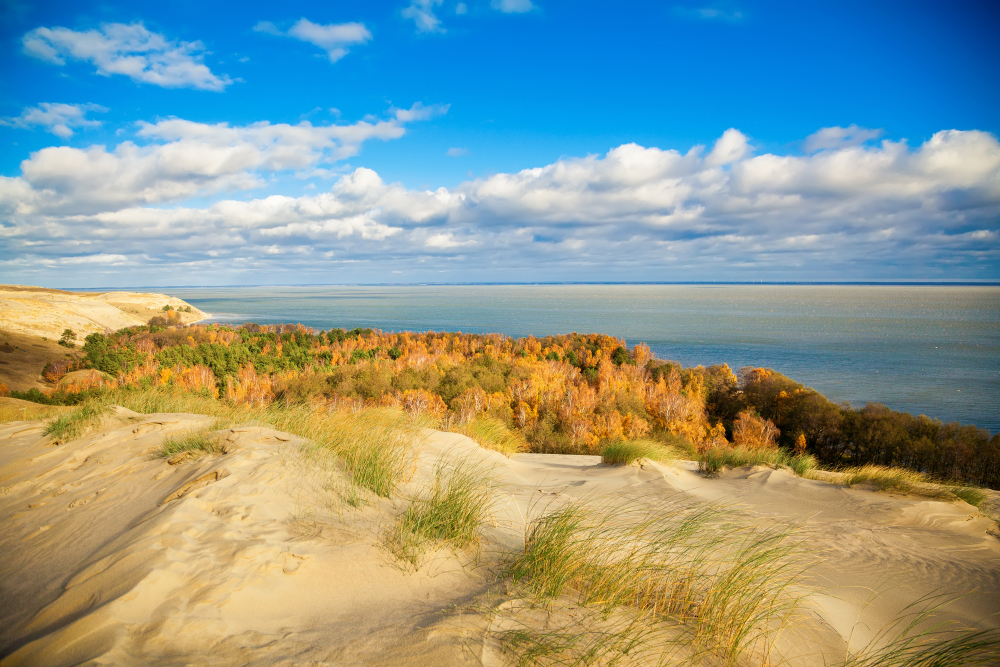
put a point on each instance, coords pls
(571, 393)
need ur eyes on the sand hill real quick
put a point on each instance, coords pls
(117, 556)
(38, 311)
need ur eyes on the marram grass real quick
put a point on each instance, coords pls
(722, 586)
(375, 445)
(715, 459)
(626, 452)
(493, 434)
(72, 425)
(450, 512)
(198, 443)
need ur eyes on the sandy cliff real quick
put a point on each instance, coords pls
(45, 312)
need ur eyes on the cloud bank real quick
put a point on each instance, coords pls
(130, 50)
(635, 213)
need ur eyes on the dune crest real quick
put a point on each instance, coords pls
(38, 311)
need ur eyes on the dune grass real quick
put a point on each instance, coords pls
(715, 459)
(970, 494)
(13, 410)
(197, 443)
(722, 587)
(451, 512)
(625, 452)
(493, 434)
(916, 639)
(374, 445)
(72, 425)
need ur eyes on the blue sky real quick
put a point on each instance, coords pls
(497, 140)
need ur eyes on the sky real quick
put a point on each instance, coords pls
(405, 141)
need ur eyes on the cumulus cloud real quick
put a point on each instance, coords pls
(334, 38)
(423, 16)
(59, 119)
(885, 211)
(512, 6)
(130, 50)
(839, 137)
(186, 158)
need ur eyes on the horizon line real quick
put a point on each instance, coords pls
(888, 283)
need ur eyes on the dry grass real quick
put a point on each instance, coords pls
(374, 445)
(722, 587)
(717, 458)
(626, 452)
(13, 410)
(72, 425)
(450, 513)
(493, 434)
(197, 443)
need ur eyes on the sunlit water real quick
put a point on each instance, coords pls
(925, 350)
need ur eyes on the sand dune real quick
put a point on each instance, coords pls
(47, 312)
(114, 555)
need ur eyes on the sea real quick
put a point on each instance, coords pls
(932, 350)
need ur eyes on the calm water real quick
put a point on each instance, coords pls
(925, 350)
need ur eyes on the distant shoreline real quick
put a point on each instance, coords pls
(766, 283)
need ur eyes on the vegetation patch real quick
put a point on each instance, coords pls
(70, 426)
(198, 443)
(721, 587)
(626, 452)
(715, 459)
(493, 434)
(451, 512)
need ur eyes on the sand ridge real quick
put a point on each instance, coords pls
(45, 312)
(115, 556)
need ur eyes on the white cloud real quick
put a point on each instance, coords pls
(730, 147)
(59, 119)
(839, 137)
(423, 16)
(456, 152)
(512, 6)
(334, 38)
(188, 158)
(130, 50)
(889, 211)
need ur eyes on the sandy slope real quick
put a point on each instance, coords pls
(114, 556)
(45, 312)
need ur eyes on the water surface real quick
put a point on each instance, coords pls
(927, 350)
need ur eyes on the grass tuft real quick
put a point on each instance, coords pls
(723, 586)
(72, 425)
(453, 510)
(197, 443)
(493, 434)
(625, 452)
(715, 459)
(969, 494)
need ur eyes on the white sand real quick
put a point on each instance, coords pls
(116, 557)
